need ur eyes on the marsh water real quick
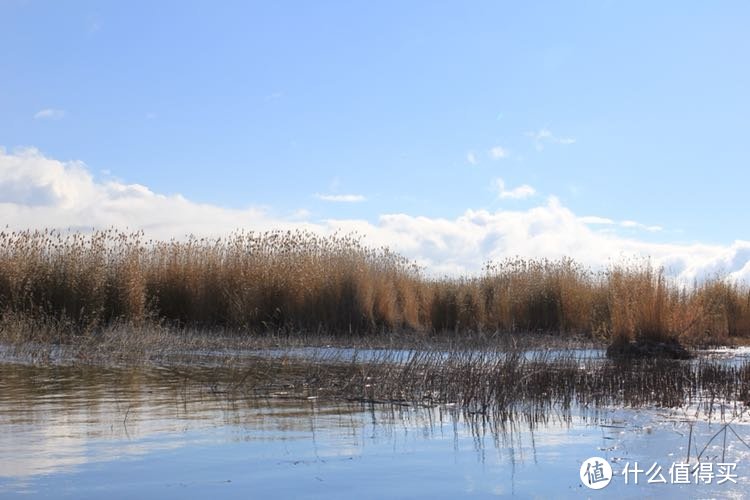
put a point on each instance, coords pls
(151, 432)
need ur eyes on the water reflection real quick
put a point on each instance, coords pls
(88, 432)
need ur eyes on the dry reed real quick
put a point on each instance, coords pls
(301, 282)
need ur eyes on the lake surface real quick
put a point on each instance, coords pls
(90, 432)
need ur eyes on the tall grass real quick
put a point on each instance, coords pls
(299, 281)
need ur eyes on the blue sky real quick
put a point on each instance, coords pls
(622, 111)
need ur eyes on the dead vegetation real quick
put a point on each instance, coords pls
(62, 285)
(501, 385)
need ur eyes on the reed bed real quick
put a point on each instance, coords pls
(73, 284)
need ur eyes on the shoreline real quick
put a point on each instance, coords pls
(126, 344)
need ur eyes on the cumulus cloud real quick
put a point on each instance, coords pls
(518, 193)
(49, 114)
(544, 136)
(340, 198)
(463, 244)
(29, 180)
(471, 157)
(498, 153)
(37, 191)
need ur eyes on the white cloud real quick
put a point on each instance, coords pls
(593, 219)
(545, 136)
(37, 192)
(341, 198)
(471, 157)
(518, 193)
(498, 153)
(29, 180)
(631, 224)
(49, 114)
